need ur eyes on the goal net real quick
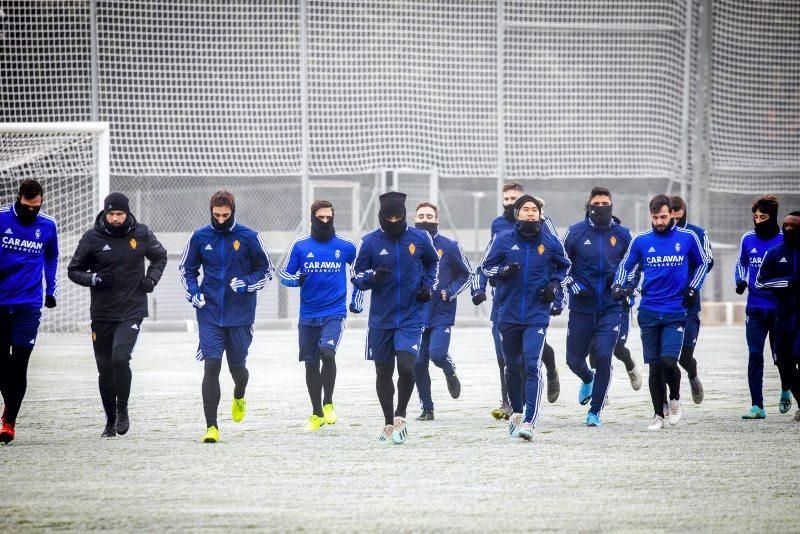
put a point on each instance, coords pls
(70, 160)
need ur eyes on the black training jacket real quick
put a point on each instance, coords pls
(123, 257)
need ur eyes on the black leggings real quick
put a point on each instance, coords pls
(384, 385)
(664, 372)
(211, 389)
(321, 381)
(13, 379)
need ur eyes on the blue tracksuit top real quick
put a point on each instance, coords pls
(542, 261)
(454, 277)
(595, 254)
(501, 224)
(324, 291)
(412, 263)
(237, 253)
(27, 251)
(705, 242)
(780, 274)
(751, 253)
(669, 262)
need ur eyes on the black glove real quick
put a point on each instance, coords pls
(508, 271)
(689, 297)
(301, 278)
(49, 301)
(492, 282)
(741, 285)
(548, 293)
(555, 310)
(147, 284)
(353, 308)
(625, 304)
(379, 275)
(424, 294)
(103, 281)
(619, 293)
(478, 298)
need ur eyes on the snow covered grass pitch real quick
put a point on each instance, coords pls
(460, 472)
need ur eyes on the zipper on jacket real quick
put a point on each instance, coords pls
(525, 279)
(222, 289)
(602, 282)
(397, 263)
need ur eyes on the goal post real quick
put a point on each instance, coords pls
(72, 162)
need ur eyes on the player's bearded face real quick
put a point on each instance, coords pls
(661, 219)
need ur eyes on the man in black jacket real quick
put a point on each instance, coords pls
(110, 261)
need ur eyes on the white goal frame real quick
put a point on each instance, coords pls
(103, 131)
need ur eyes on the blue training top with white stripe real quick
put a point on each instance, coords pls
(324, 290)
(27, 251)
(454, 276)
(752, 250)
(670, 262)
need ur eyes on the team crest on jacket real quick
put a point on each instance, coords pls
(412, 248)
(439, 252)
(236, 245)
(337, 253)
(540, 249)
(677, 247)
(94, 336)
(38, 233)
(613, 241)
(133, 244)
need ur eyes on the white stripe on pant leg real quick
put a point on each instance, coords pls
(610, 371)
(541, 383)
(341, 332)
(366, 346)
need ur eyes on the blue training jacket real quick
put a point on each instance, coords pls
(669, 263)
(324, 290)
(780, 274)
(542, 261)
(412, 262)
(479, 281)
(595, 254)
(454, 276)
(752, 250)
(26, 252)
(223, 255)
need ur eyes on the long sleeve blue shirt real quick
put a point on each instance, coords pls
(324, 263)
(595, 253)
(223, 255)
(542, 262)
(454, 276)
(669, 263)
(752, 250)
(412, 263)
(28, 252)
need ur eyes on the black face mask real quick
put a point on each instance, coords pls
(600, 215)
(767, 229)
(508, 212)
(528, 230)
(26, 215)
(669, 227)
(791, 237)
(322, 231)
(118, 231)
(431, 228)
(393, 229)
(224, 227)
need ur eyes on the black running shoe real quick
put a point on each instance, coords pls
(454, 386)
(109, 431)
(123, 423)
(426, 415)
